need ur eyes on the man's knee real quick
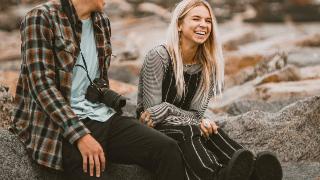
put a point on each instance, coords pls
(170, 147)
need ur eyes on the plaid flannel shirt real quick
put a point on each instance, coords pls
(43, 115)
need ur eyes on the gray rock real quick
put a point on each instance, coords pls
(10, 19)
(243, 106)
(123, 74)
(130, 108)
(304, 57)
(301, 171)
(6, 106)
(293, 132)
(7, 3)
(16, 164)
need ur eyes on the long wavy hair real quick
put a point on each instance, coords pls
(209, 53)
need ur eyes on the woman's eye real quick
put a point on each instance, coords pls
(208, 21)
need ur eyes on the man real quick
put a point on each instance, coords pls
(65, 45)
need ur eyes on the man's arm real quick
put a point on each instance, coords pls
(38, 61)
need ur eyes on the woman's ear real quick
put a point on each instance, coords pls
(179, 28)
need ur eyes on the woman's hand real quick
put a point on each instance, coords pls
(146, 119)
(208, 127)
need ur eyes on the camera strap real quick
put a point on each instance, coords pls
(66, 8)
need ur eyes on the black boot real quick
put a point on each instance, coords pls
(266, 167)
(239, 167)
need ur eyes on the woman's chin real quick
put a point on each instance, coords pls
(199, 42)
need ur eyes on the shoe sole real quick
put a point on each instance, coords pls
(240, 166)
(268, 167)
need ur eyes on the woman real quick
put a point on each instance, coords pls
(176, 82)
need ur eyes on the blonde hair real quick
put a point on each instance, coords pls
(209, 53)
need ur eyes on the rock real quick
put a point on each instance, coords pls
(7, 3)
(242, 106)
(310, 41)
(288, 73)
(12, 65)
(129, 52)
(140, 33)
(292, 132)
(166, 4)
(221, 103)
(304, 12)
(285, 90)
(310, 72)
(118, 8)
(9, 45)
(31, 1)
(267, 92)
(275, 62)
(299, 171)
(125, 72)
(11, 18)
(239, 36)
(16, 164)
(122, 88)
(304, 57)
(155, 9)
(10, 79)
(267, 11)
(6, 106)
(131, 106)
(236, 61)
(278, 10)
(240, 69)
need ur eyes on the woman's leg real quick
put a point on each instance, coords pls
(222, 146)
(201, 163)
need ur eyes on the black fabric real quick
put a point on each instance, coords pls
(169, 89)
(203, 157)
(126, 141)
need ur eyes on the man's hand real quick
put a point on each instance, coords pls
(146, 119)
(208, 127)
(92, 154)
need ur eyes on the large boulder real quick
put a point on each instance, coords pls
(16, 164)
(6, 106)
(293, 132)
(247, 105)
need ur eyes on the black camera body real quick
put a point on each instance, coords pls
(99, 91)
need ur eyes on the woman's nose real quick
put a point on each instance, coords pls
(203, 23)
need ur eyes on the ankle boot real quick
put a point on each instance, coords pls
(239, 167)
(266, 167)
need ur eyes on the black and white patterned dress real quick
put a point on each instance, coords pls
(179, 117)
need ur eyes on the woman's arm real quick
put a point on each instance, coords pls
(150, 92)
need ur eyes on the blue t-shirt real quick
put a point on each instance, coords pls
(80, 82)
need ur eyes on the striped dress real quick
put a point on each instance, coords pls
(152, 98)
(179, 117)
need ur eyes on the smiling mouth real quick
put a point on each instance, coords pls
(201, 33)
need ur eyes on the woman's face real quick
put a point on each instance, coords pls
(196, 26)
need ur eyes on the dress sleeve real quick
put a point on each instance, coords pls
(150, 91)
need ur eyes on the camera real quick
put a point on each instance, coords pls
(99, 91)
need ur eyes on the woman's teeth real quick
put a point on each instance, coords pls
(200, 33)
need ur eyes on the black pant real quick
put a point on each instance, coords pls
(127, 141)
(203, 157)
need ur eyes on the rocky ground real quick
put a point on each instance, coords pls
(272, 87)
